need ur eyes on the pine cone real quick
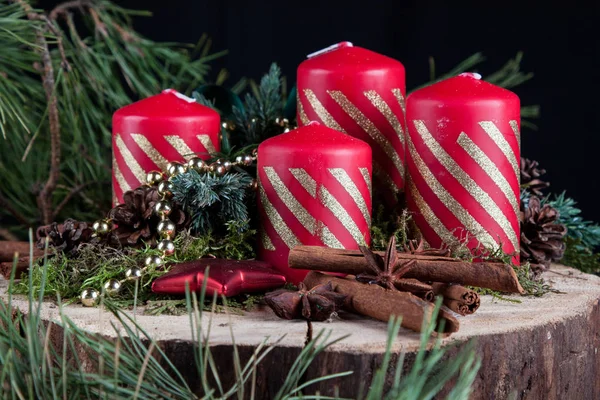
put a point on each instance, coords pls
(541, 234)
(530, 173)
(135, 220)
(66, 236)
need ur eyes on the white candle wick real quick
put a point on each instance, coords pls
(473, 75)
(313, 123)
(179, 95)
(330, 48)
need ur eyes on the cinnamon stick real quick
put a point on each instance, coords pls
(8, 249)
(458, 298)
(428, 268)
(379, 303)
(7, 266)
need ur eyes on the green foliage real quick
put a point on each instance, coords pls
(132, 365)
(212, 200)
(383, 227)
(100, 64)
(94, 265)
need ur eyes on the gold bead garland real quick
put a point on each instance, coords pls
(166, 228)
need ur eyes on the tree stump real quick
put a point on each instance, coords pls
(542, 348)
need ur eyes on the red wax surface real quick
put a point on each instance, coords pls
(361, 93)
(314, 189)
(151, 132)
(466, 133)
(236, 278)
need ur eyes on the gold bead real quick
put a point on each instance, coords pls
(166, 246)
(102, 227)
(247, 160)
(239, 160)
(253, 185)
(220, 170)
(89, 297)
(154, 177)
(165, 188)
(112, 286)
(197, 164)
(175, 168)
(133, 274)
(227, 165)
(162, 208)
(166, 229)
(153, 261)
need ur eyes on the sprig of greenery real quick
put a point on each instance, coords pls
(211, 199)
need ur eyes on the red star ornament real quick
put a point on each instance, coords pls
(225, 277)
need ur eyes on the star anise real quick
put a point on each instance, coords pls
(415, 247)
(316, 304)
(386, 273)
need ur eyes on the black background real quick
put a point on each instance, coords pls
(560, 46)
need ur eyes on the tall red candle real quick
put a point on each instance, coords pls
(151, 132)
(463, 155)
(314, 189)
(359, 92)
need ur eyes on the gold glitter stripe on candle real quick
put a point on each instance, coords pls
(387, 112)
(341, 214)
(284, 194)
(181, 146)
(465, 218)
(266, 240)
(284, 231)
(515, 127)
(321, 111)
(149, 150)
(329, 239)
(480, 196)
(307, 182)
(207, 143)
(398, 94)
(303, 117)
(119, 176)
(365, 174)
(432, 220)
(130, 160)
(490, 169)
(498, 138)
(344, 179)
(368, 126)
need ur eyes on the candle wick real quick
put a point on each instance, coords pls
(473, 75)
(330, 48)
(179, 95)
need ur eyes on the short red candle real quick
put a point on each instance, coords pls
(359, 92)
(463, 157)
(314, 189)
(152, 132)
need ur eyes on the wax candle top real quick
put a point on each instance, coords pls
(314, 137)
(168, 104)
(349, 59)
(465, 87)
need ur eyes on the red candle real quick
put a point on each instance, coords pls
(463, 160)
(361, 93)
(152, 132)
(314, 189)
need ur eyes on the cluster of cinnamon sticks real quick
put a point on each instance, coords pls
(417, 277)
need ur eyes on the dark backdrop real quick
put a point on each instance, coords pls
(560, 46)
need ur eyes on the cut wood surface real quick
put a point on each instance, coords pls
(543, 348)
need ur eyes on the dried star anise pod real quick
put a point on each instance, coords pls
(66, 236)
(316, 304)
(541, 234)
(135, 220)
(415, 247)
(386, 273)
(530, 174)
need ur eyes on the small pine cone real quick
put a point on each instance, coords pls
(530, 174)
(66, 236)
(542, 237)
(135, 221)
